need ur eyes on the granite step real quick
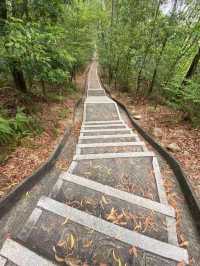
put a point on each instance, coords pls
(60, 228)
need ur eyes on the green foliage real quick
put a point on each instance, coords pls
(47, 41)
(11, 128)
(6, 131)
(43, 44)
(147, 49)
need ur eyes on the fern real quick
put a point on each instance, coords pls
(6, 131)
(15, 127)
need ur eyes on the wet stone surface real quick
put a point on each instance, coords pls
(122, 173)
(101, 112)
(64, 241)
(117, 149)
(114, 210)
(108, 140)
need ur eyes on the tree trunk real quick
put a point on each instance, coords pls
(156, 67)
(44, 89)
(19, 80)
(147, 48)
(162, 49)
(193, 67)
(3, 16)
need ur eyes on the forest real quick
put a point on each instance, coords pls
(152, 48)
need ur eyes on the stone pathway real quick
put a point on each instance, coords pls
(109, 208)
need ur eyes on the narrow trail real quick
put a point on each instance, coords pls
(109, 208)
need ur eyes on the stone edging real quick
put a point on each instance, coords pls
(189, 194)
(7, 201)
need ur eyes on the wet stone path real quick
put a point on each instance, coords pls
(109, 208)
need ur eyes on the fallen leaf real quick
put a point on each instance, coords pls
(104, 200)
(87, 243)
(71, 241)
(65, 221)
(59, 259)
(133, 251)
(181, 263)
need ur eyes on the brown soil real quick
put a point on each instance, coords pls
(32, 151)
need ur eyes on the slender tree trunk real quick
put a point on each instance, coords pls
(193, 67)
(156, 67)
(17, 73)
(3, 16)
(44, 92)
(110, 70)
(147, 48)
(19, 80)
(162, 50)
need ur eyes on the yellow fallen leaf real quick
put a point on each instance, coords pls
(184, 244)
(117, 259)
(104, 200)
(65, 221)
(59, 259)
(88, 243)
(114, 256)
(181, 263)
(112, 216)
(61, 243)
(71, 241)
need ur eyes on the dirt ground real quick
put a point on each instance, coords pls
(32, 151)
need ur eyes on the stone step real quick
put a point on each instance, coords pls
(97, 93)
(101, 111)
(115, 130)
(14, 253)
(123, 173)
(103, 122)
(98, 99)
(105, 132)
(113, 155)
(50, 229)
(111, 144)
(147, 216)
(112, 192)
(108, 138)
(109, 149)
(111, 126)
(95, 89)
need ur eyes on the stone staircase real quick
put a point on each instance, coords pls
(109, 208)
